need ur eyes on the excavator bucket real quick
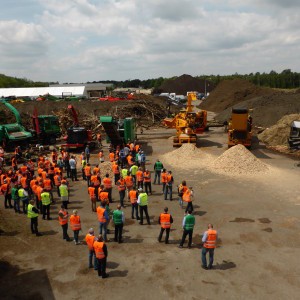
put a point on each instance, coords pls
(170, 122)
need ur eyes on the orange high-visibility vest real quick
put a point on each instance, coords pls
(75, 222)
(187, 196)
(133, 196)
(62, 221)
(90, 239)
(129, 181)
(169, 178)
(23, 169)
(121, 185)
(100, 214)
(111, 156)
(107, 183)
(39, 191)
(98, 247)
(103, 196)
(24, 182)
(164, 177)
(91, 191)
(147, 177)
(165, 220)
(211, 239)
(139, 175)
(47, 184)
(57, 180)
(87, 171)
(115, 169)
(96, 170)
(95, 180)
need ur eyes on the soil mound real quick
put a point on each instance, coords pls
(238, 161)
(267, 109)
(185, 83)
(278, 134)
(230, 92)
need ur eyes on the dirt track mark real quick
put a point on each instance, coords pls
(264, 220)
(268, 229)
(241, 220)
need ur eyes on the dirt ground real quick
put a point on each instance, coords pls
(257, 256)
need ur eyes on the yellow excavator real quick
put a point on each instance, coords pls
(187, 123)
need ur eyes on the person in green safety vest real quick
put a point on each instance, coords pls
(64, 193)
(124, 172)
(133, 171)
(46, 200)
(158, 166)
(32, 214)
(119, 220)
(23, 196)
(15, 198)
(143, 204)
(188, 227)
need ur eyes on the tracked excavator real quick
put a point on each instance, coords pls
(188, 123)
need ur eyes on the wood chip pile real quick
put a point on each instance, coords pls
(187, 156)
(146, 113)
(238, 161)
(88, 121)
(105, 167)
(233, 162)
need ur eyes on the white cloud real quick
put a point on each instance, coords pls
(96, 40)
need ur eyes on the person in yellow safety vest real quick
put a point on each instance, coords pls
(165, 220)
(143, 203)
(101, 255)
(90, 239)
(32, 214)
(64, 193)
(75, 225)
(46, 200)
(209, 244)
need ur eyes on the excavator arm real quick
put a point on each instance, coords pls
(74, 114)
(13, 110)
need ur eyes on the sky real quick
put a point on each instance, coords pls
(92, 40)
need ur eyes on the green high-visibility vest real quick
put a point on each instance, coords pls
(83, 163)
(189, 222)
(45, 196)
(143, 199)
(158, 166)
(134, 169)
(117, 217)
(30, 213)
(63, 189)
(124, 172)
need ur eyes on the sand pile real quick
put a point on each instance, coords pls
(278, 134)
(238, 161)
(187, 156)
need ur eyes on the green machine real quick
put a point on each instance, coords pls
(15, 133)
(119, 131)
(46, 128)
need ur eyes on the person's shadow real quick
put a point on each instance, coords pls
(225, 265)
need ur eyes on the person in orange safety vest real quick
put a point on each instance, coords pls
(165, 220)
(90, 240)
(63, 217)
(209, 244)
(75, 225)
(101, 255)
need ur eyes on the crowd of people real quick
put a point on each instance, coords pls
(32, 184)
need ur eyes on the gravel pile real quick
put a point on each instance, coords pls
(238, 161)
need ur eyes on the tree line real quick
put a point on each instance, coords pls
(284, 80)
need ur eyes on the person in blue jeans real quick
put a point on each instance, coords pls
(169, 186)
(103, 218)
